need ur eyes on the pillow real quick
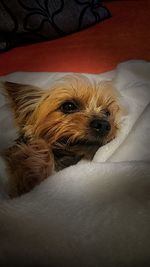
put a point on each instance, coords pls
(27, 21)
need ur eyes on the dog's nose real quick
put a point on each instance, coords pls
(100, 126)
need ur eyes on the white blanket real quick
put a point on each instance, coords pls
(93, 214)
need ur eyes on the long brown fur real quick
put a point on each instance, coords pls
(28, 165)
(38, 115)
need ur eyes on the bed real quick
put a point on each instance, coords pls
(95, 213)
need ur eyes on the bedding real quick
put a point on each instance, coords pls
(94, 213)
(32, 21)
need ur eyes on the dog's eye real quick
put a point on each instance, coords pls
(69, 107)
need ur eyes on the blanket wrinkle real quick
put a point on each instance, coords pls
(133, 126)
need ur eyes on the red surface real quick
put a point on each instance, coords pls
(100, 48)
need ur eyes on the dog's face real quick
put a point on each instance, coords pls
(76, 116)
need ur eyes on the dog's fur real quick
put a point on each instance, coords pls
(57, 135)
(27, 165)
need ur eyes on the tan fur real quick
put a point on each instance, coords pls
(38, 115)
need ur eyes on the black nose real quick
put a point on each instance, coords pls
(100, 126)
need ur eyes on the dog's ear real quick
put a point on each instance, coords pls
(23, 99)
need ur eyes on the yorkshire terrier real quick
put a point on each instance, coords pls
(58, 127)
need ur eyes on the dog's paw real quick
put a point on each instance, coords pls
(28, 165)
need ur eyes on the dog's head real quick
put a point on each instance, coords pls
(75, 116)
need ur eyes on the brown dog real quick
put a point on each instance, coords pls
(66, 123)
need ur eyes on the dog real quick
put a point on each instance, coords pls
(58, 127)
